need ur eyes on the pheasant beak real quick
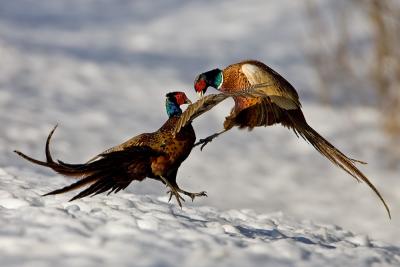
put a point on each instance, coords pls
(187, 101)
(200, 93)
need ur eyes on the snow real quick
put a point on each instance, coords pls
(137, 230)
(101, 69)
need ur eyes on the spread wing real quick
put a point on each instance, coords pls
(199, 107)
(206, 103)
(268, 83)
(265, 83)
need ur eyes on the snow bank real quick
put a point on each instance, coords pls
(130, 230)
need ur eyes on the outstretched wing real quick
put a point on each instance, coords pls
(199, 107)
(265, 83)
(268, 83)
(206, 103)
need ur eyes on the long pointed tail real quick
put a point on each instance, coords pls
(111, 172)
(296, 121)
(60, 168)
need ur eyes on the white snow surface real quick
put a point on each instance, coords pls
(132, 230)
(101, 69)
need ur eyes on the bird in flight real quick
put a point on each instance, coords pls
(263, 98)
(157, 155)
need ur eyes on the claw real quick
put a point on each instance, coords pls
(178, 197)
(173, 194)
(201, 148)
(200, 194)
(173, 191)
(170, 195)
(205, 141)
(193, 195)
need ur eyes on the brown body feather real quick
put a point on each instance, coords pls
(154, 155)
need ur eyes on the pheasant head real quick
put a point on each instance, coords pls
(213, 78)
(173, 102)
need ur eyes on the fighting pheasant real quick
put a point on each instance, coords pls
(263, 98)
(156, 155)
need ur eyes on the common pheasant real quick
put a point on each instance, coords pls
(263, 98)
(156, 155)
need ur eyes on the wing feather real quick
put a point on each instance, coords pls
(266, 82)
(134, 141)
(206, 103)
(199, 107)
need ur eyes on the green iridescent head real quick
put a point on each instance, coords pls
(213, 78)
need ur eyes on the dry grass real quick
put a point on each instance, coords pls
(363, 71)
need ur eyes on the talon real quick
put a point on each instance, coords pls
(201, 148)
(204, 142)
(170, 195)
(194, 195)
(177, 196)
(173, 191)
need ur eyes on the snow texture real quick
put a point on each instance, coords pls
(131, 230)
(101, 69)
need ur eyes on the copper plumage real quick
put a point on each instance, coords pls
(263, 98)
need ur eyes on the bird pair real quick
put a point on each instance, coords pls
(262, 98)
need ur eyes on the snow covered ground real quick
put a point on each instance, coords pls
(101, 69)
(132, 230)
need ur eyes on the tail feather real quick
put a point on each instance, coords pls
(65, 170)
(47, 150)
(101, 186)
(100, 182)
(298, 124)
(73, 186)
(52, 165)
(112, 171)
(98, 187)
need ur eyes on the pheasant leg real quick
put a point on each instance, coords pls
(205, 141)
(173, 192)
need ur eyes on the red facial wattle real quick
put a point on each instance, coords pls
(181, 98)
(200, 85)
